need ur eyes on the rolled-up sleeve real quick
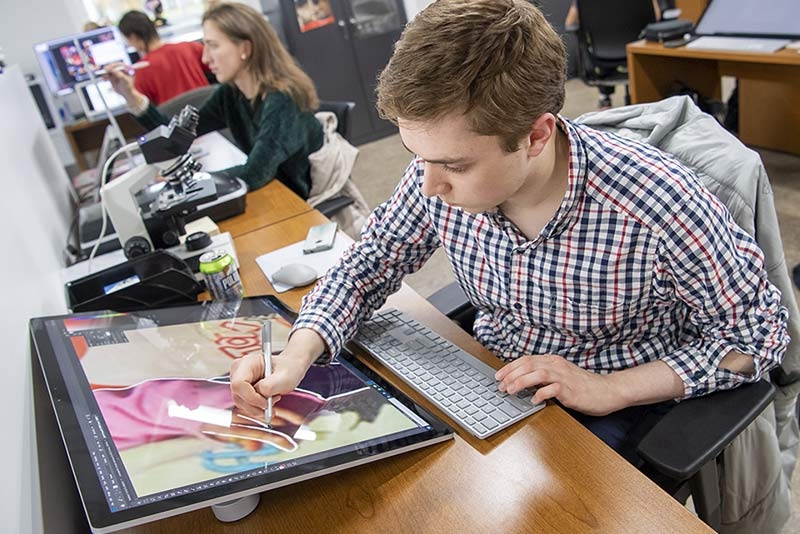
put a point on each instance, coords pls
(717, 271)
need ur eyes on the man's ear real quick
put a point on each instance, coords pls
(542, 130)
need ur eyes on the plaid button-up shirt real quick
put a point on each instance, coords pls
(639, 263)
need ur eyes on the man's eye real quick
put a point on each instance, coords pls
(455, 170)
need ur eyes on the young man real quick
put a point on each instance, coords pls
(174, 69)
(604, 273)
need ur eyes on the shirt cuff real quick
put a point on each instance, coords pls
(326, 328)
(141, 108)
(699, 370)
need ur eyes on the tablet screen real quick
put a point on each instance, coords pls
(144, 407)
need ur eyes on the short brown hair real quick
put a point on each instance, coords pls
(497, 61)
(273, 68)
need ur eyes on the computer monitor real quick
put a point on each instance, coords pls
(61, 62)
(144, 408)
(751, 18)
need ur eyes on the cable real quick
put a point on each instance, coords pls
(93, 80)
(103, 214)
(69, 253)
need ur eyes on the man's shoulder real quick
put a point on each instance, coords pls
(635, 178)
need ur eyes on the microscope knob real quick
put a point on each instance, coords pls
(197, 241)
(171, 238)
(136, 246)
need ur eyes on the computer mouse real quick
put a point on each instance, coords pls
(295, 275)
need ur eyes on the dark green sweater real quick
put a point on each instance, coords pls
(275, 134)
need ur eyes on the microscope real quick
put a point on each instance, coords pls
(148, 205)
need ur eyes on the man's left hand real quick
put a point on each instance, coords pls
(556, 378)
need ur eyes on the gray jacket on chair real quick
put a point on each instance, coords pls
(756, 469)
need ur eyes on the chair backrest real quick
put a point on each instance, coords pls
(342, 110)
(195, 97)
(606, 26)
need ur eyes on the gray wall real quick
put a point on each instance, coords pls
(36, 209)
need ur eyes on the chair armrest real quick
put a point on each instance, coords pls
(450, 299)
(332, 205)
(453, 302)
(697, 430)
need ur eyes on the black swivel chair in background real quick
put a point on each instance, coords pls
(605, 27)
(196, 97)
(343, 111)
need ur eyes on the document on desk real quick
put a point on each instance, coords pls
(319, 261)
(738, 44)
(217, 153)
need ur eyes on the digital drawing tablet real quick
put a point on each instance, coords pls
(143, 404)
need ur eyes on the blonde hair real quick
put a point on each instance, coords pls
(270, 63)
(497, 61)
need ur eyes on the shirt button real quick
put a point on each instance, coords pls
(517, 305)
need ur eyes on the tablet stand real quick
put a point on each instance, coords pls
(236, 509)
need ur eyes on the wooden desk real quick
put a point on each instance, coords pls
(85, 135)
(691, 9)
(769, 86)
(268, 205)
(546, 474)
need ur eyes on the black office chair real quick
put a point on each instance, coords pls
(342, 110)
(605, 27)
(682, 450)
(196, 97)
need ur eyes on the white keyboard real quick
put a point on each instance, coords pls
(457, 382)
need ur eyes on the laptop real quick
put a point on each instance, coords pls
(746, 26)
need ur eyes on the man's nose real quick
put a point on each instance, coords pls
(433, 182)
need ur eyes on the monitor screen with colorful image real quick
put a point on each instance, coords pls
(66, 61)
(144, 406)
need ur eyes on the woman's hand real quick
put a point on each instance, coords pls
(122, 83)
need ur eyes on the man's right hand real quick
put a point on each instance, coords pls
(250, 389)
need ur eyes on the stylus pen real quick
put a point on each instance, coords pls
(126, 68)
(266, 348)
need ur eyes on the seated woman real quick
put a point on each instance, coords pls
(264, 98)
(175, 68)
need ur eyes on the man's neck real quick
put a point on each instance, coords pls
(545, 188)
